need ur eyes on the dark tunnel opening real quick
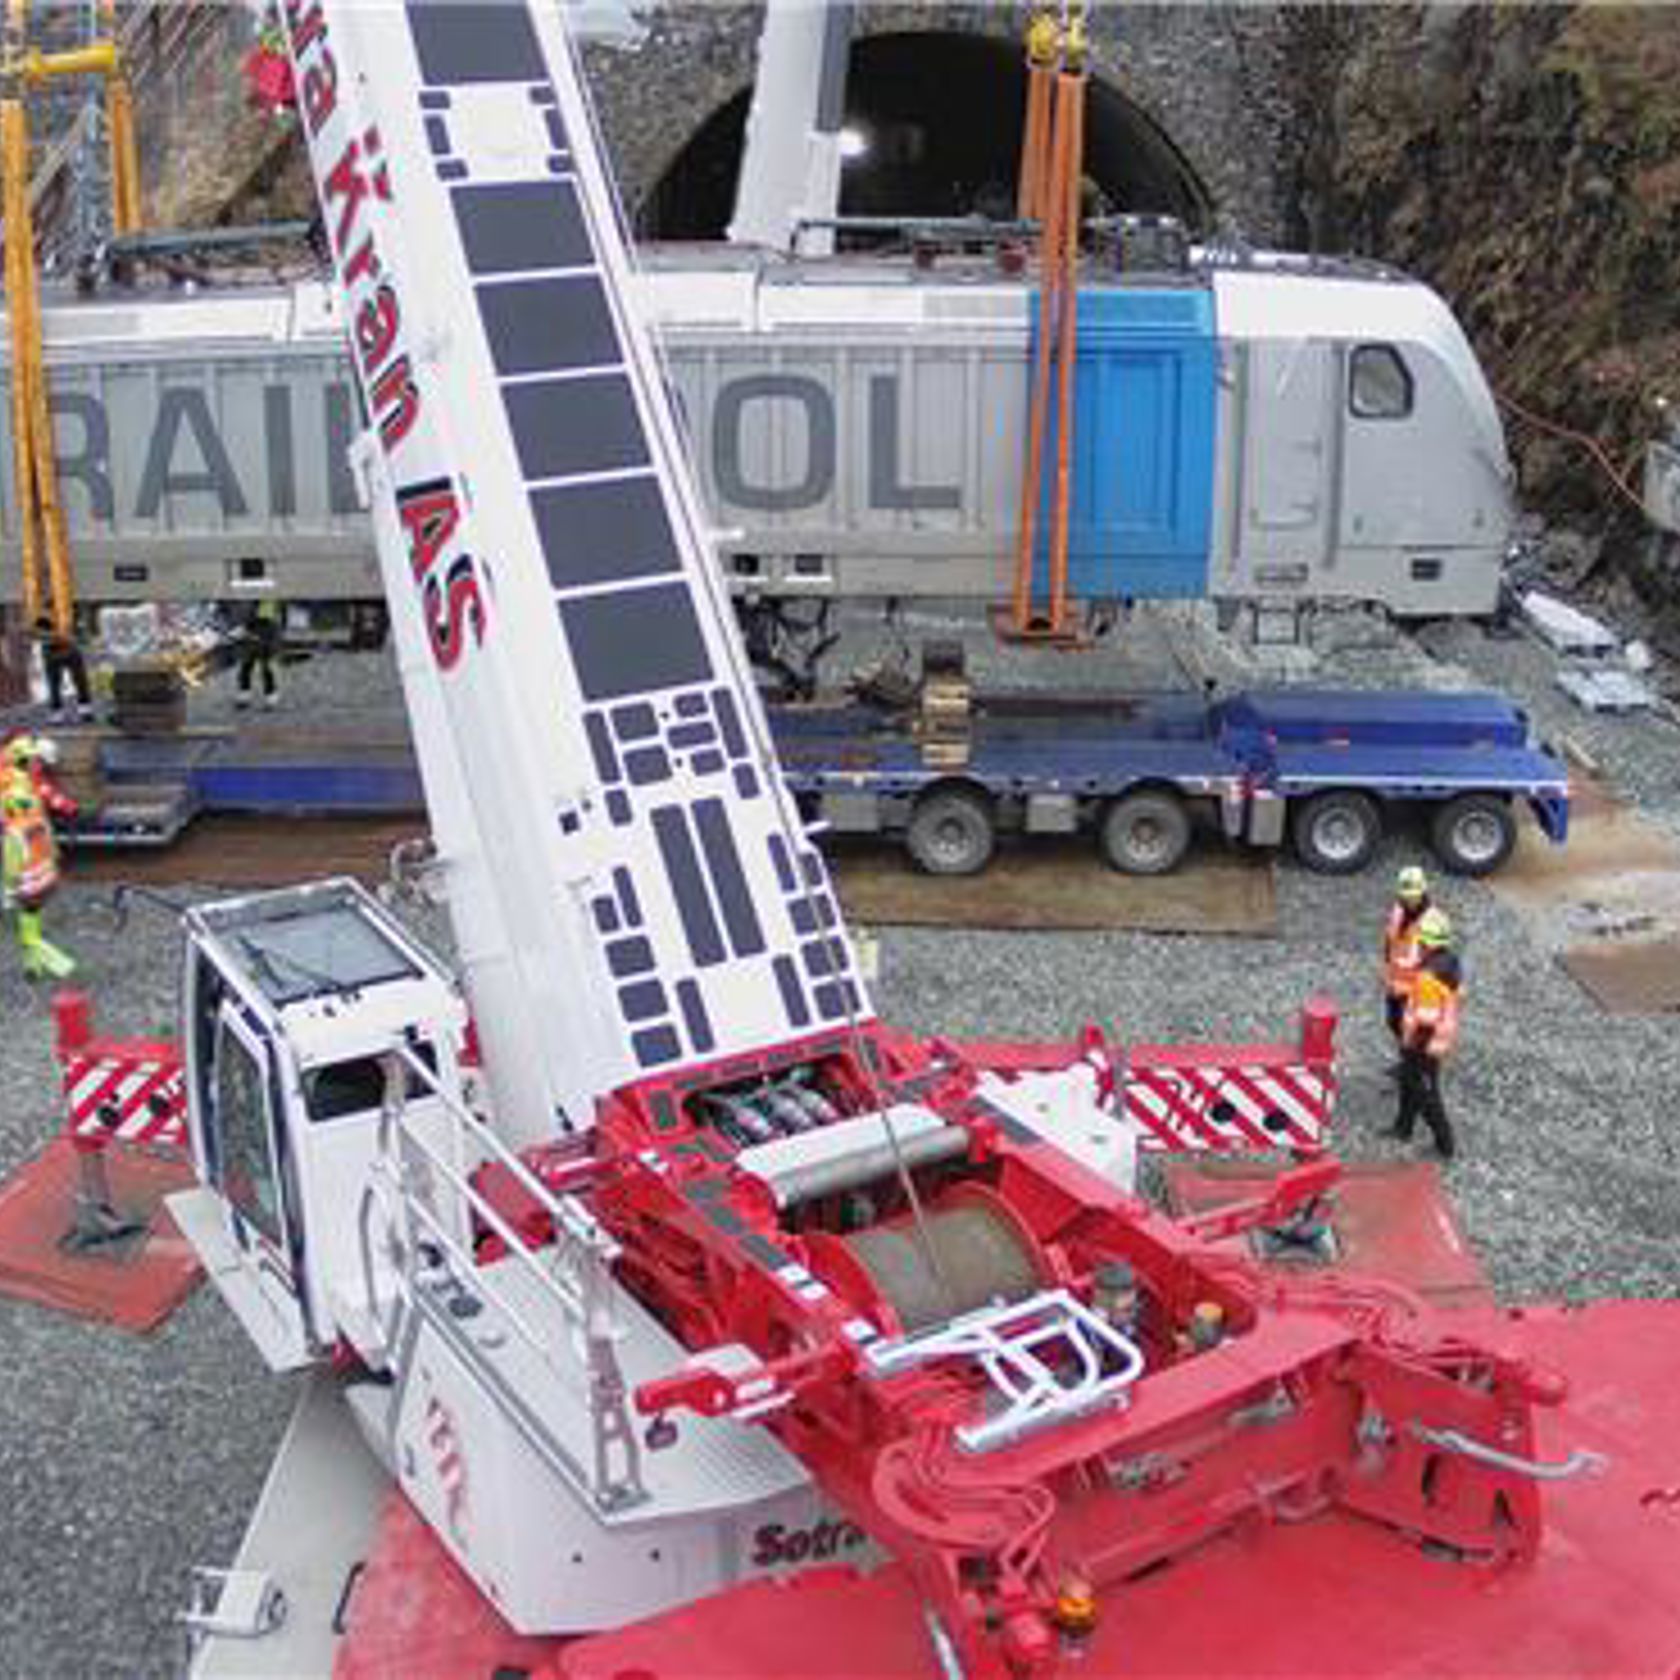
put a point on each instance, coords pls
(940, 118)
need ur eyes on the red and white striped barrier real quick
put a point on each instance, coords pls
(1247, 1107)
(1207, 1097)
(1236, 1097)
(130, 1091)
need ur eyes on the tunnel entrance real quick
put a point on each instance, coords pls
(938, 119)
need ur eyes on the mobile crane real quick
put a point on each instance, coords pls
(645, 1238)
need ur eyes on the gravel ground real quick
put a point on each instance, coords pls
(123, 1461)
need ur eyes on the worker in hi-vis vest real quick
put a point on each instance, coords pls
(33, 757)
(28, 875)
(259, 646)
(1429, 1032)
(1400, 942)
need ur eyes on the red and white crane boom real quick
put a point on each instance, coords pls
(631, 888)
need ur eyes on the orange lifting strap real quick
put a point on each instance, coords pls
(1051, 170)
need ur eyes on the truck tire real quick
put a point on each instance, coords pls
(951, 832)
(1337, 832)
(1145, 833)
(1473, 834)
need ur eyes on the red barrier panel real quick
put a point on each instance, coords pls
(131, 1090)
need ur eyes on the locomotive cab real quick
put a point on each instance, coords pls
(1362, 457)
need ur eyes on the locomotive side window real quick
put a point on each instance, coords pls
(1379, 383)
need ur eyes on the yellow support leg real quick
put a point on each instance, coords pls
(125, 156)
(40, 514)
(48, 506)
(31, 418)
(20, 265)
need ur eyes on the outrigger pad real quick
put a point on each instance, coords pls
(1389, 1219)
(1337, 1597)
(134, 1282)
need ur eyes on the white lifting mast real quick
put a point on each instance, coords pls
(629, 885)
(791, 159)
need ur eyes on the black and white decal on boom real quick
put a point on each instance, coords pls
(636, 837)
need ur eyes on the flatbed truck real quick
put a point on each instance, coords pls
(1329, 771)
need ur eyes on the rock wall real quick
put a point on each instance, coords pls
(1526, 161)
(1213, 78)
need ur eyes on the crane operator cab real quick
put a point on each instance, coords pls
(310, 1016)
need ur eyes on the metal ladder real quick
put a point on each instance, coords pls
(437, 1208)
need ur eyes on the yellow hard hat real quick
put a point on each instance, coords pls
(1411, 882)
(26, 749)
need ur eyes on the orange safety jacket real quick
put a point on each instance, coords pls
(1400, 946)
(31, 859)
(34, 777)
(1431, 1022)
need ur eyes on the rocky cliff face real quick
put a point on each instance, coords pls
(1526, 161)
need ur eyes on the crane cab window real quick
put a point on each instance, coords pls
(318, 953)
(1379, 384)
(249, 1180)
(357, 1086)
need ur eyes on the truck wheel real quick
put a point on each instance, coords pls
(1473, 834)
(951, 832)
(1146, 833)
(1337, 833)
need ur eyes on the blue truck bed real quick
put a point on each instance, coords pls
(1399, 745)
(1373, 716)
(1083, 750)
(1251, 765)
(1263, 763)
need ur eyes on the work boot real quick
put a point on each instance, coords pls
(42, 960)
(58, 964)
(27, 932)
